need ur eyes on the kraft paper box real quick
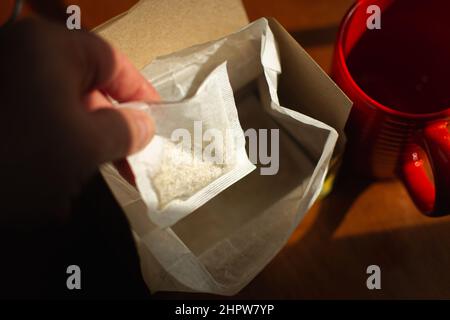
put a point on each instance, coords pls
(154, 28)
(223, 245)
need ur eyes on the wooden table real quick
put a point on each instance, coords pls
(360, 223)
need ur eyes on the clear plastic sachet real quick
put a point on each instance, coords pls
(197, 152)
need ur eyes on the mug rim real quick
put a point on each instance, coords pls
(340, 42)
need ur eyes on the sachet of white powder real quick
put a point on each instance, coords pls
(173, 178)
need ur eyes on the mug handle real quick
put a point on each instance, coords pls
(432, 199)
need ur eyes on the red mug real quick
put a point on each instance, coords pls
(398, 78)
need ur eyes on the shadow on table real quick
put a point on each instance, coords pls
(414, 261)
(317, 36)
(347, 188)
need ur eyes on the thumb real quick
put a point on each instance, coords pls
(120, 132)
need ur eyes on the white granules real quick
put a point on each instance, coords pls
(182, 173)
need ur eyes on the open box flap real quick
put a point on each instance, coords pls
(154, 28)
(305, 87)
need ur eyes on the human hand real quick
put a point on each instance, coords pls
(57, 123)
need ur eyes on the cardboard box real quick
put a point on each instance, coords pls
(153, 28)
